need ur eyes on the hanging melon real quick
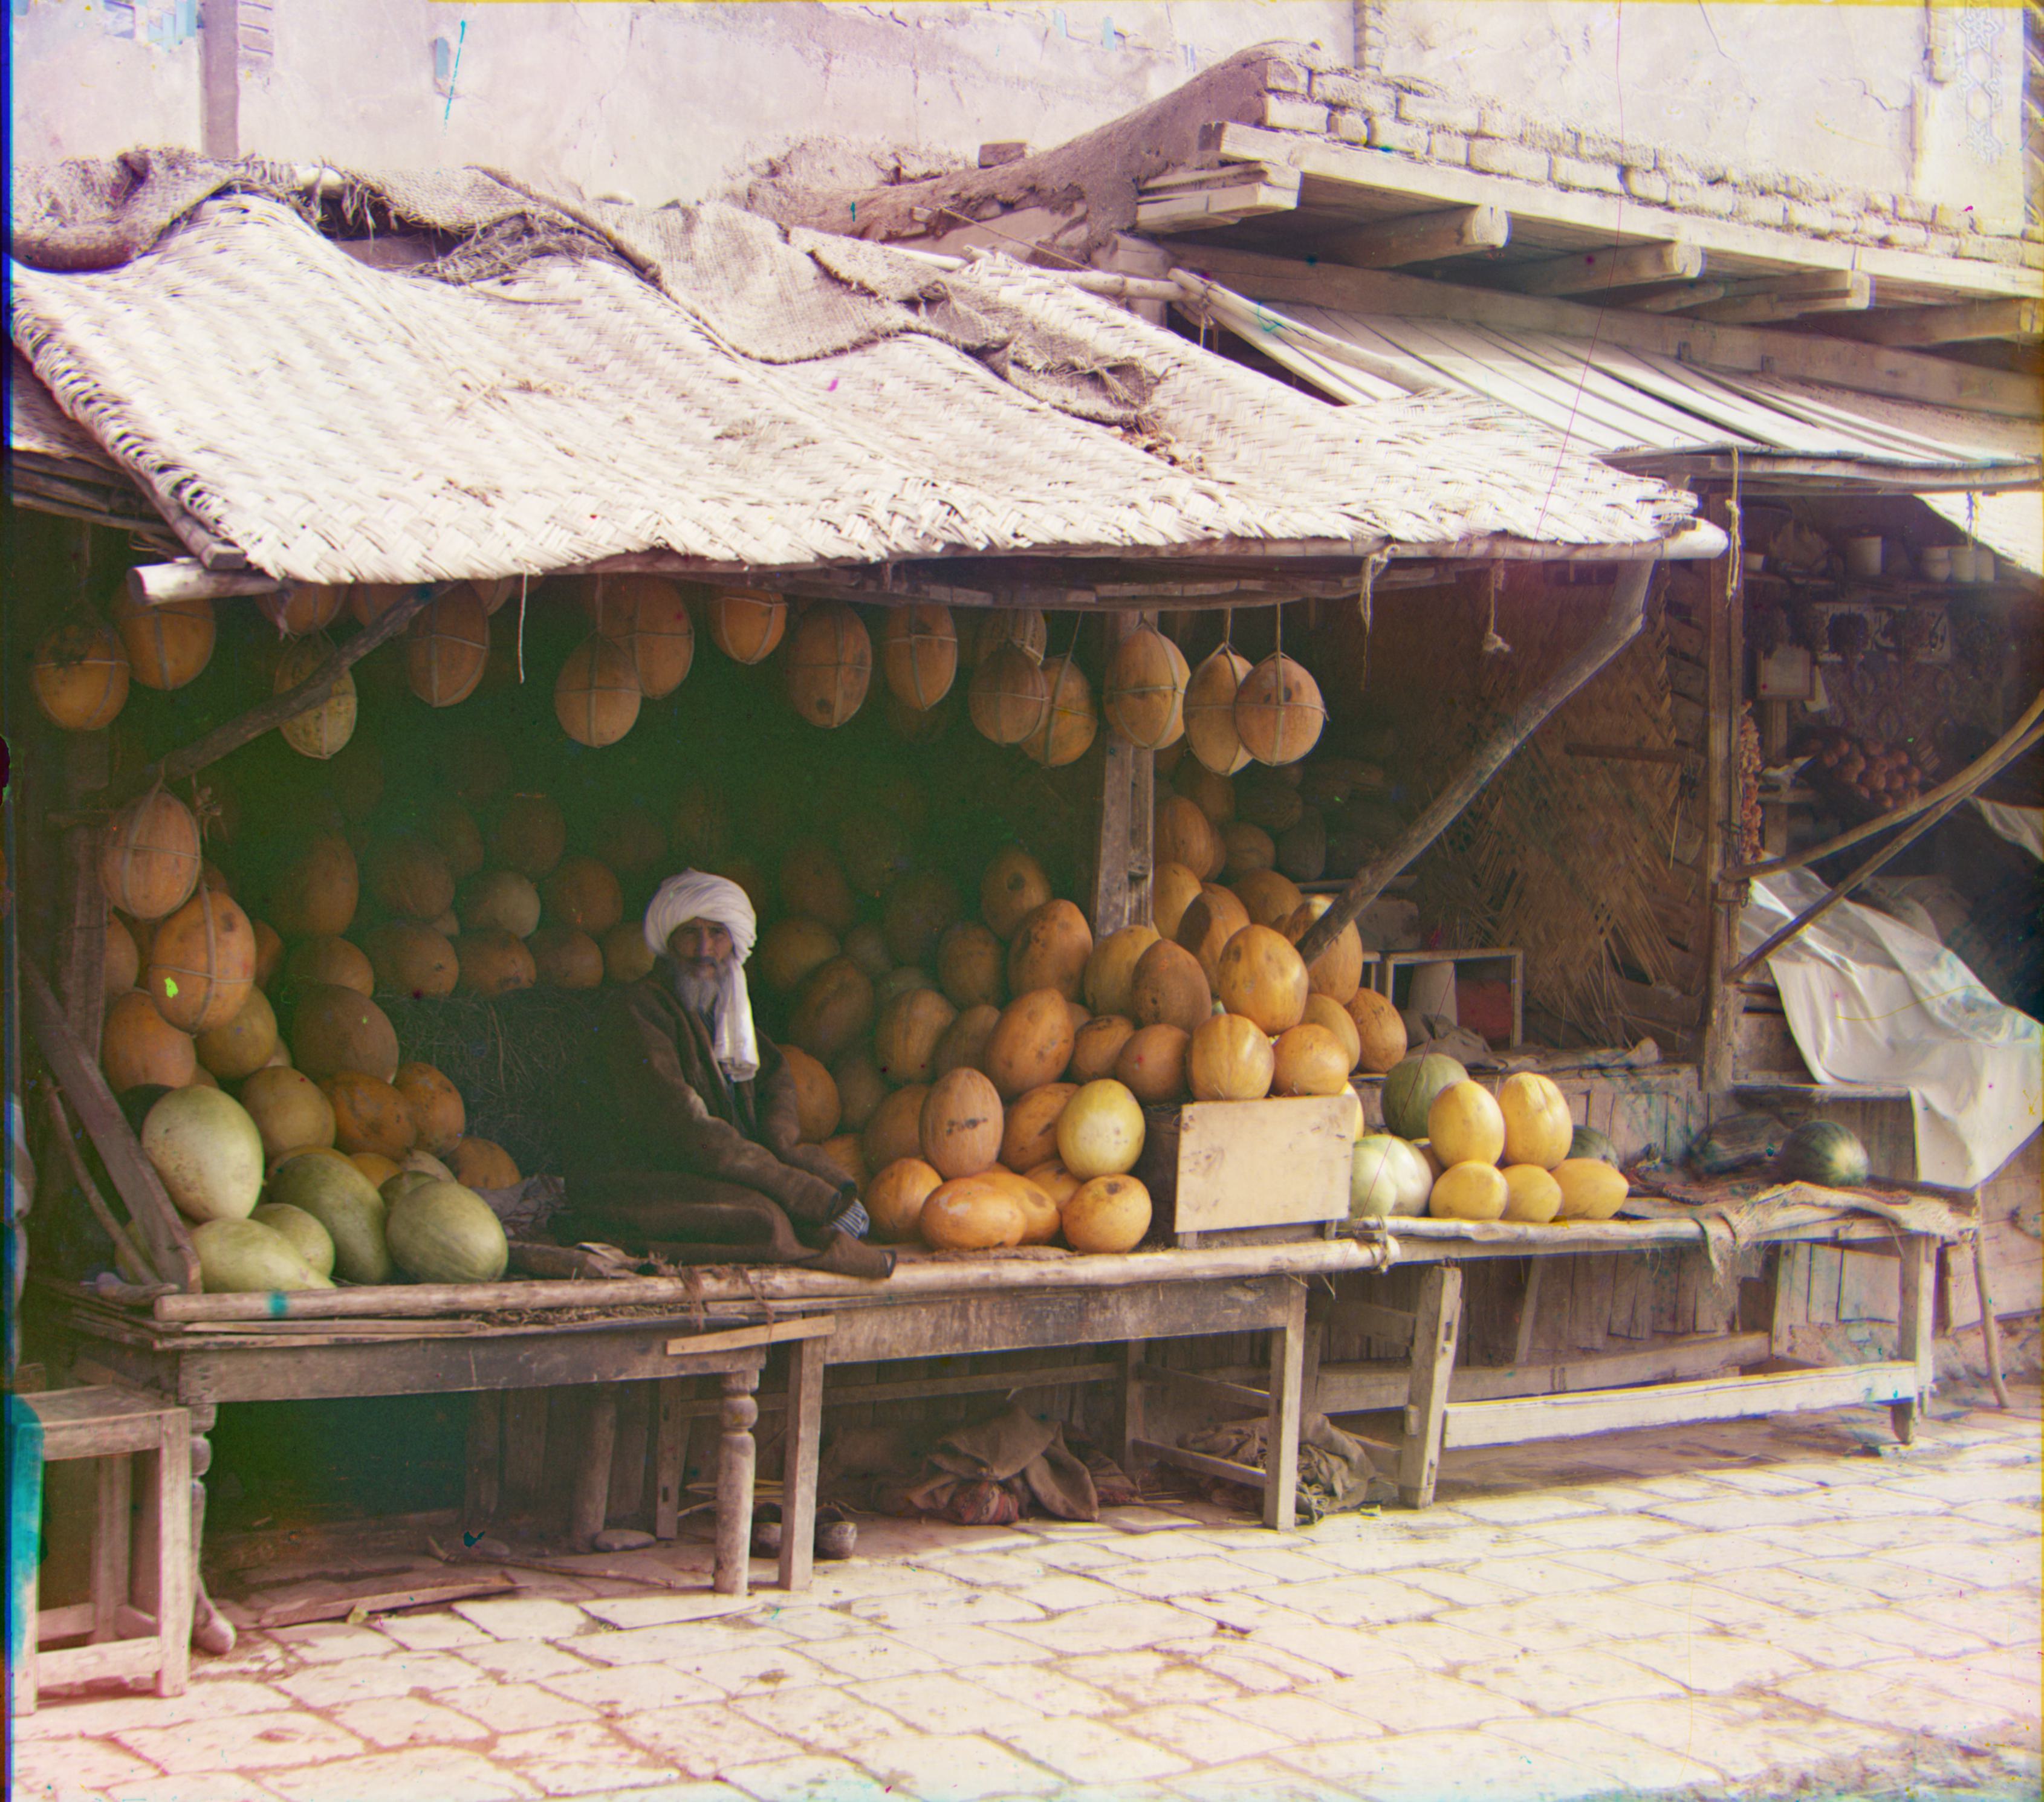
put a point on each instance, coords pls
(299, 608)
(202, 962)
(646, 617)
(368, 602)
(597, 694)
(1013, 889)
(997, 628)
(327, 724)
(1069, 722)
(169, 643)
(149, 860)
(919, 654)
(745, 624)
(80, 675)
(830, 664)
(137, 1045)
(1144, 693)
(1278, 712)
(1209, 711)
(1152, 1063)
(1009, 696)
(447, 647)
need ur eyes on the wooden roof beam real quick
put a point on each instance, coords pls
(1421, 238)
(1823, 290)
(1909, 326)
(1198, 200)
(1593, 272)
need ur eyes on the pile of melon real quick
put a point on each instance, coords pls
(1454, 1149)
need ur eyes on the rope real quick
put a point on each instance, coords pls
(1365, 606)
(1493, 646)
(524, 581)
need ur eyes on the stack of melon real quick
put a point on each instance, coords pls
(1455, 1151)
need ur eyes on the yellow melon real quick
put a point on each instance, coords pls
(919, 654)
(1186, 835)
(841, 1149)
(911, 1026)
(1530, 1194)
(960, 1126)
(1473, 1191)
(1152, 1063)
(964, 1044)
(1069, 722)
(896, 1129)
(1591, 1188)
(1055, 1181)
(1538, 1124)
(322, 729)
(1323, 1010)
(816, 1106)
(1465, 1125)
(970, 965)
(1101, 1130)
(1031, 1043)
(1209, 711)
(1144, 694)
(291, 1111)
(1337, 972)
(1268, 898)
(243, 1045)
(1259, 976)
(1308, 1060)
(746, 623)
(80, 675)
(1030, 1135)
(1041, 1221)
(894, 1197)
(970, 1214)
(1173, 888)
(1380, 1030)
(1107, 1214)
(1230, 1059)
(1097, 1046)
(1110, 971)
(1049, 950)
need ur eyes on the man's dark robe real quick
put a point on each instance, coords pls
(674, 1156)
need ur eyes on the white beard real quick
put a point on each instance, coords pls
(699, 994)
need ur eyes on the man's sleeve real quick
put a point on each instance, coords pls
(781, 1119)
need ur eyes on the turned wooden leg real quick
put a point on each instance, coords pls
(736, 1458)
(212, 1631)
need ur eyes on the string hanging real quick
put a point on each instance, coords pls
(524, 581)
(1365, 607)
(1493, 646)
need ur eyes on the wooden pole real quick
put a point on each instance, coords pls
(1122, 846)
(1620, 625)
(1723, 1004)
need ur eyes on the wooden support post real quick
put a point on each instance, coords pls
(591, 1505)
(1786, 1278)
(525, 1447)
(112, 1541)
(1722, 1004)
(1903, 328)
(1283, 1422)
(802, 1439)
(1529, 1308)
(1122, 850)
(737, 1456)
(483, 1486)
(1990, 1327)
(1433, 1369)
(1915, 1329)
(1133, 1426)
(670, 1454)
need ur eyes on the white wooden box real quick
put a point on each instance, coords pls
(1230, 1166)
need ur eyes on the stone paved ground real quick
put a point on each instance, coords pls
(1765, 1608)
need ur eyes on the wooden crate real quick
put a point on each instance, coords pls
(1276, 1169)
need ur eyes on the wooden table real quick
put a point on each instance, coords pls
(1446, 1408)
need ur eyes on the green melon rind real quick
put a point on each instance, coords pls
(245, 1257)
(441, 1232)
(1589, 1143)
(1410, 1087)
(345, 1202)
(306, 1237)
(1822, 1151)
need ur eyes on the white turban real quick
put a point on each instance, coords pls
(694, 895)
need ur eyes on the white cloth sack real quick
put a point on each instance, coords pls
(2022, 826)
(1872, 1000)
(695, 895)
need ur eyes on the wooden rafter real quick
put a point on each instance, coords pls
(1823, 290)
(1421, 238)
(1593, 272)
(1965, 324)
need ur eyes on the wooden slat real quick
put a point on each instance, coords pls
(384, 1601)
(1364, 1388)
(1596, 270)
(1905, 326)
(1247, 1475)
(776, 1332)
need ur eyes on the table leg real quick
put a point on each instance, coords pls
(1915, 1328)
(1131, 1421)
(804, 1429)
(180, 1588)
(1529, 1308)
(1280, 1438)
(591, 1506)
(1433, 1369)
(112, 1541)
(212, 1631)
(737, 1456)
(485, 1458)
(670, 1454)
(1990, 1329)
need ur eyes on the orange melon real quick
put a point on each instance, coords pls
(1173, 888)
(1322, 1010)
(894, 1198)
(168, 643)
(1014, 888)
(626, 957)
(960, 1126)
(969, 963)
(1071, 721)
(1259, 976)
(1109, 1214)
(917, 909)
(369, 1115)
(532, 832)
(409, 875)
(407, 959)
(1009, 696)
(964, 1042)
(896, 1129)
(1267, 897)
(1109, 981)
(1152, 1064)
(790, 950)
(918, 654)
(137, 1045)
(80, 675)
(1337, 972)
(565, 958)
(860, 1090)
(1031, 1043)
(817, 1109)
(1169, 988)
(1278, 712)
(1144, 693)
(581, 892)
(435, 1107)
(1030, 1135)
(329, 959)
(842, 1150)
(1209, 711)
(813, 884)
(244, 1044)
(493, 962)
(745, 624)
(646, 617)
(1050, 951)
(834, 1010)
(1380, 1029)
(970, 1214)
(1308, 1060)
(1230, 1059)
(1096, 1046)
(1185, 835)
(447, 646)
(1041, 1222)
(830, 664)
(905, 1040)
(149, 860)
(1214, 917)
(482, 1163)
(597, 695)
(202, 962)
(334, 1028)
(315, 894)
(121, 969)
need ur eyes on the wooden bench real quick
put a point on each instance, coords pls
(114, 1426)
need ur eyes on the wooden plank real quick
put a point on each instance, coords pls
(1597, 270)
(158, 585)
(1529, 1311)
(776, 1332)
(1249, 1476)
(1121, 859)
(801, 1440)
(1729, 1398)
(1365, 1388)
(180, 1512)
(1421, 237)
(1833, 291)
(1593, 1301)
(1909, 326)
(1262, 1163)
(670, 1447)
(1199, 1382)
(1282, 1421)
(630, 1454)
(126, 1658)
(384, 1601)
(1433, 1366)
(111, 1543)
(1826, 1272)
(1723, 683)
(1130, 1423)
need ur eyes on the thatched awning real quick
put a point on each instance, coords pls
(535, 385)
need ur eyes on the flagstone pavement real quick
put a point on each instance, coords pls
(1762, 1608)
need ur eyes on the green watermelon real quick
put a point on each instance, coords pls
(1822, 1151)
(241, 1256)
(1410, 1089)
(440, 1232)
(1589, 1143)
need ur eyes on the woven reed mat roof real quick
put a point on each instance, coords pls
(572, 383)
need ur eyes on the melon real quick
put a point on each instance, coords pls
(918, 654)
(829, 664)
(209, 1152)
(745, 624)
(500, 900)
(121, 968)
(532, 832)
(447, 646)
(1173, 888)
(1205, 928)
(407, 959)
(306, 1237)
(626, 957)
(564, 956)
(149, 860)
(1269, 899)
(1031, 1043)
(1278, 712)
(1246, 850)
(648, 617)
(453, 830)
(1410, 1087)
(80, 675)
(322, 729)
(1186, 835)
(409, 876)
(859, 1088)
(315, 894)
(1323, 1010)
(583, 893)
(243, 1045)
(1379, 1031)
(792, 948)
(202, 962)
(895, 983)
(301, 607)
(1230, 1059)
(1009, 696)
(1387, 1176)
(905, 1040)
(269, 953)
(970, 1214)
(204, 1077)
(1537, 1126)
(834, 1011)
(1041, 1221)
(1049, 950)
(1071, 721)
(1308, 1060)
(1259, 976)
(597, 695)
(960, 1126)
(1144, 693)
(867, 946)
(812, 882)
(493, 963)
(1096, 1047)
(1109, 980)
(817, 1108)
(374, 1166)
(1101, 1130)
(1213, 795)
(893, 1200)
(425, 1163)
(1466, 1125)
(970, 965)
(918, 907)
(1587, 1141)
(403, 1183)
(369, 1115)
(441, 1232)
(1106, 1213)
(1337, 972)
(291, 1112)
(896, 1129)
(1209, 711)
(1822, 1151)
(329, 960)
(1530, 1194)
(244, 1256)
(964, 1042)
(1469, 1191)
(1167, 987)
(1055, 1181)
(334, 1028)
(482, 1163)
(1030, 1135)
(630, 838)
(1591, 1188)
(1152, 1063)
(841, 1149)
